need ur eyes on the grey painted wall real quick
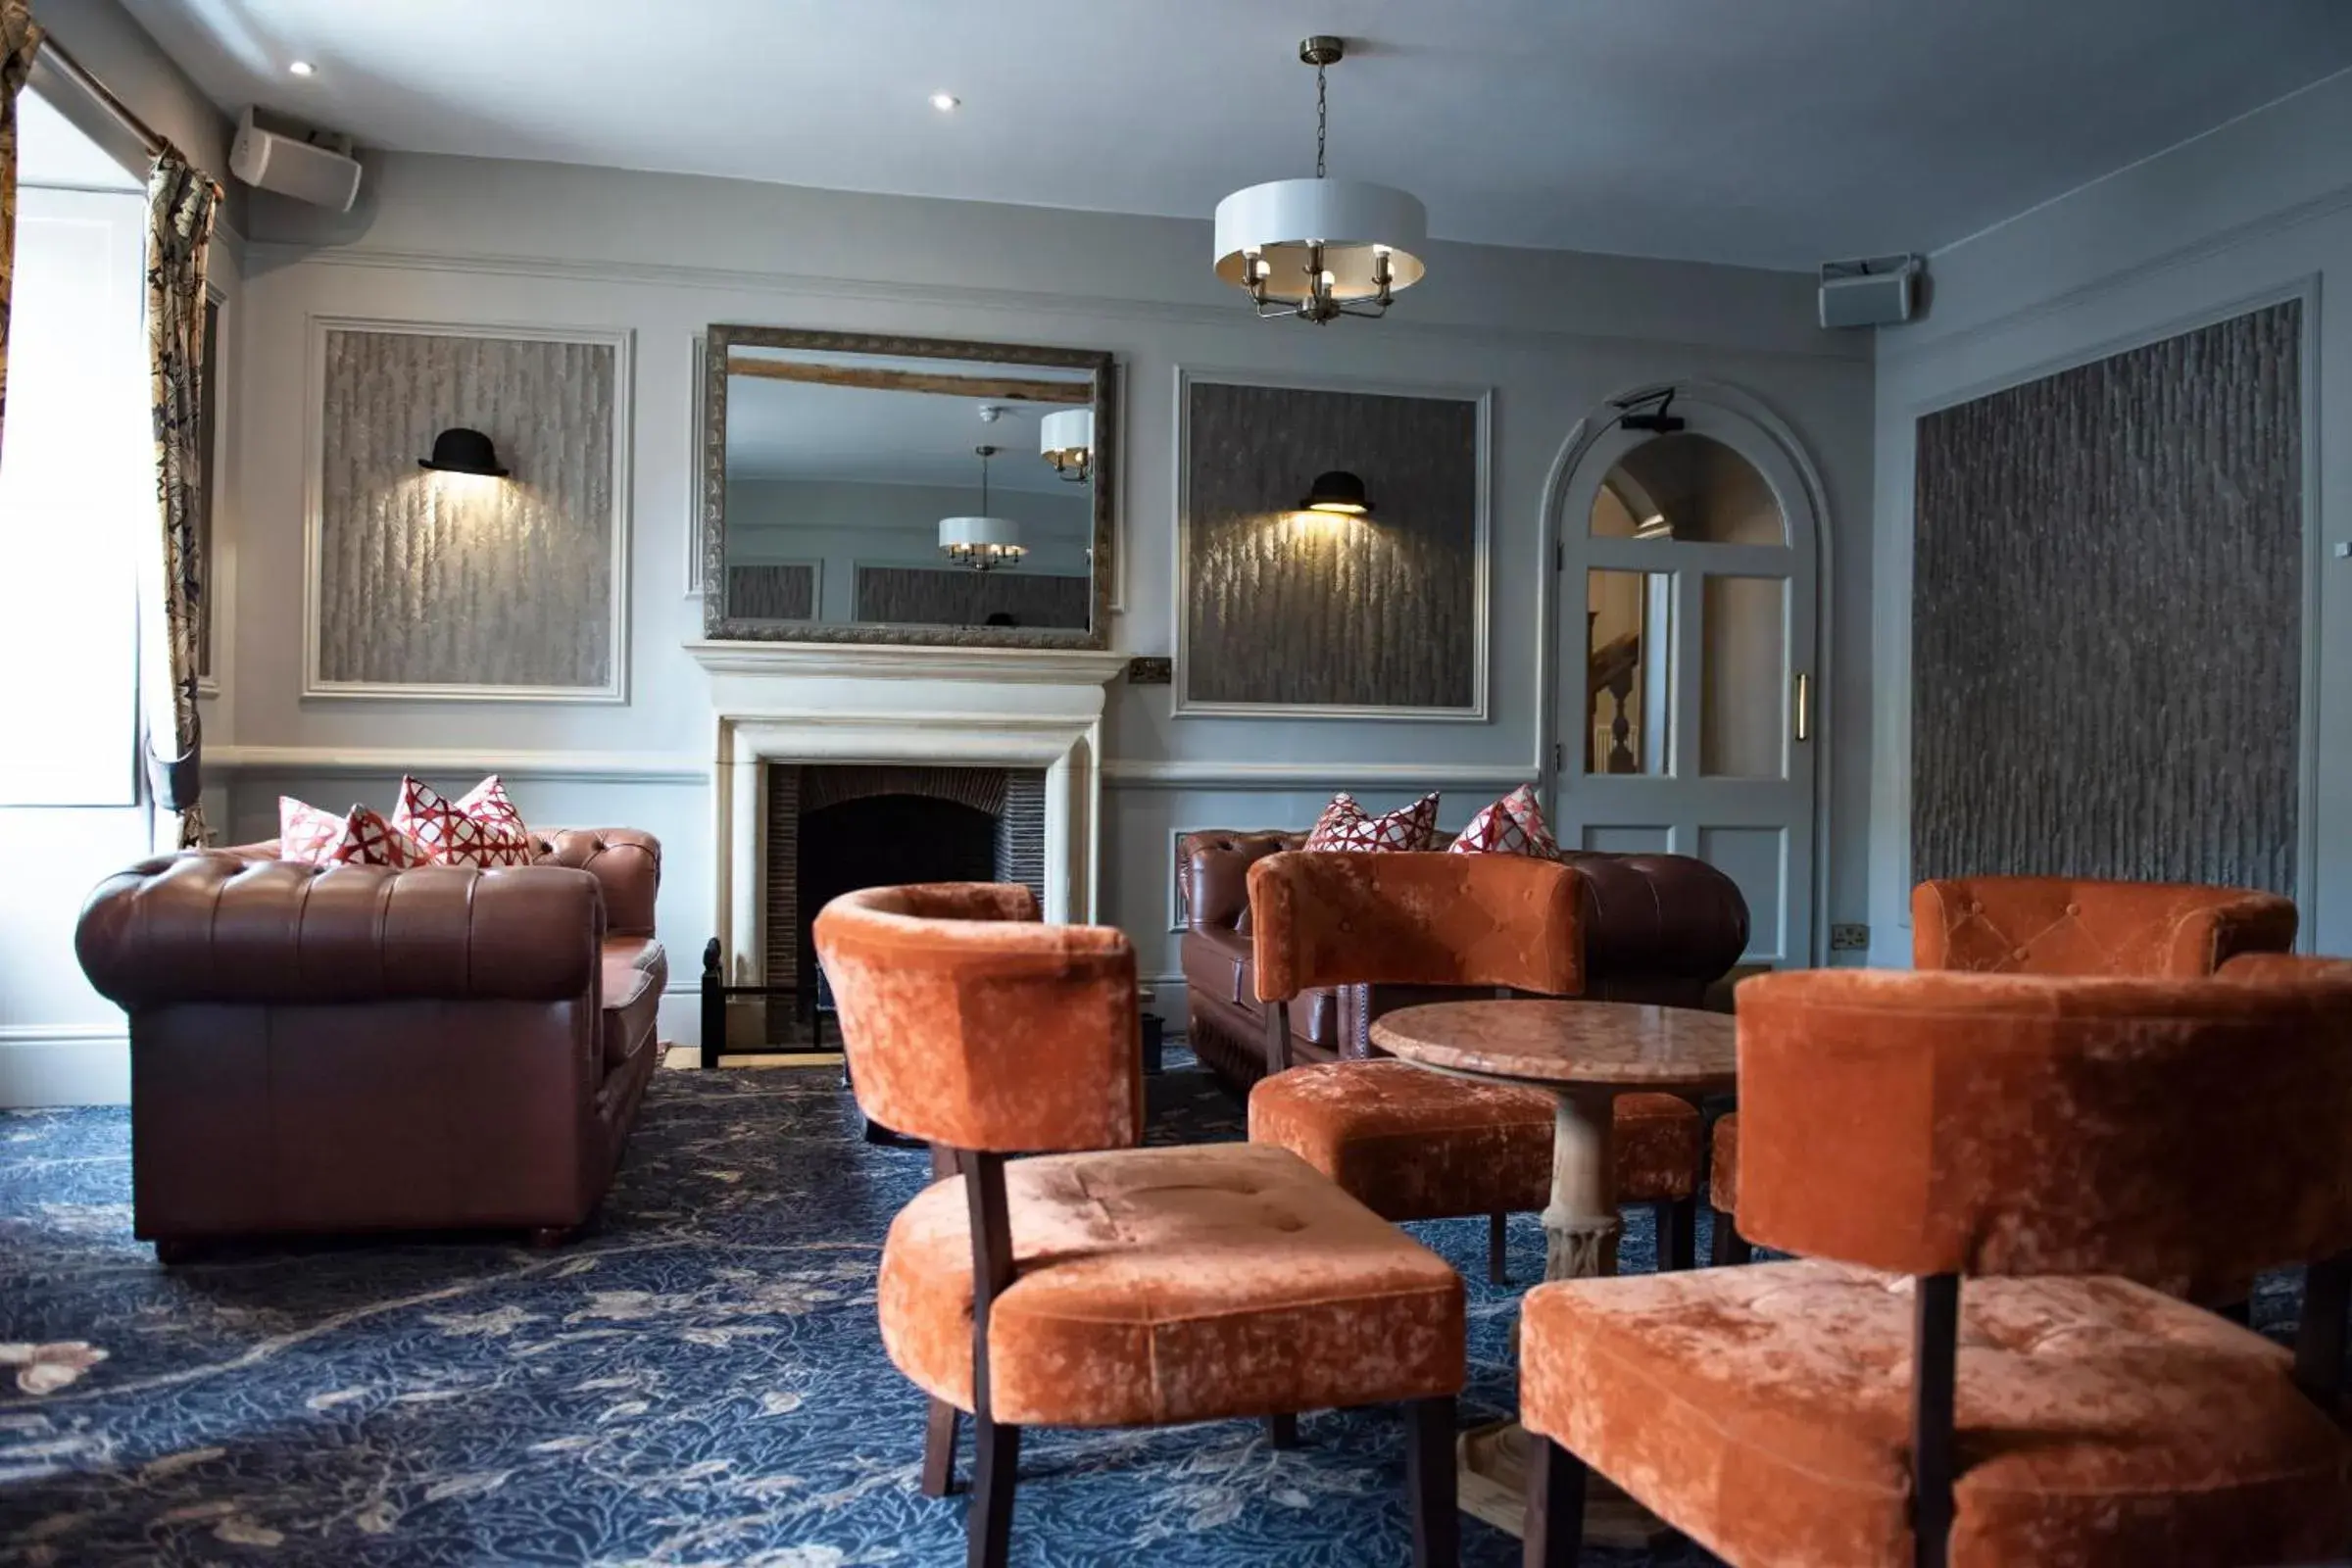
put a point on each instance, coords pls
(2257, 210)
(457, 239)
(841, 524)
(2107, 617)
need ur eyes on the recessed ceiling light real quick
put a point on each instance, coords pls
(303, 68)
(945, 101)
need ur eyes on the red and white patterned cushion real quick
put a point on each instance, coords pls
(360, 837)
(1344, 826)
(483, 828)
(1512, 825)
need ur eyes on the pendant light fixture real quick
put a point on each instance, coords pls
(1321, 248)
(1066, 439)
(983, 543)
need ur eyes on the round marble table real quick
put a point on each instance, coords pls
(1587, 1054)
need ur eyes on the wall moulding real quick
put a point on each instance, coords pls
(585, 767)
(398, 563)
(272, 255)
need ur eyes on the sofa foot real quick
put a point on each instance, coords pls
(172, 1251)
(548, 1238)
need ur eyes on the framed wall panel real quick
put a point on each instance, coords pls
(456, 587)
(2108, 605)
(775, 590)
(1283, 611)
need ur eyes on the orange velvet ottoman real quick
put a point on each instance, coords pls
(1410, 1144)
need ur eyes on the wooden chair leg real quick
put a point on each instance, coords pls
(939, 1449)
(1729, 1246)
(1555, 1506)
(1499, 1248)
(1678, 1234)
(988, 1526)
(1429, 1476)
(1281, 1431)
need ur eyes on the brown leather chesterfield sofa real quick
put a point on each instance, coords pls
(326, 1051)
(1659, 928)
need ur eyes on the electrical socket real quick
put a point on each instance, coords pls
(1849, 939)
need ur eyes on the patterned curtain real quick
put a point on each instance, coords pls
(19, 36)
(179, 228)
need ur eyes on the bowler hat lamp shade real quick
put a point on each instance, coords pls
(459, 450)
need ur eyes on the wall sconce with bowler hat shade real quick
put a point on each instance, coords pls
(459, 450)
(1339, 493)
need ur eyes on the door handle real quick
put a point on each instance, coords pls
(1804, 706)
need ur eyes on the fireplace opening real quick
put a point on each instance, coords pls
(882, 841)
(833, 828)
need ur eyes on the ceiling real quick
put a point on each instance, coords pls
(793, 430)
(1766, 132)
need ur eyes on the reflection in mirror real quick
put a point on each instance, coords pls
(912, 490)
(1688, 486)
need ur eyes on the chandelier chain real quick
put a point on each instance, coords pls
(1322, 121)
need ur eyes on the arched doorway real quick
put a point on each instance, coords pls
(1687, 684)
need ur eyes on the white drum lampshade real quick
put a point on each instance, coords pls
(980, 542)
(1066, 439)
(1277, 227)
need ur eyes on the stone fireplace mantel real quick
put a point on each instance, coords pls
(952, 707)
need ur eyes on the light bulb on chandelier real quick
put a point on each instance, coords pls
(1321, 248)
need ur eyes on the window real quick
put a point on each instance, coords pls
(76, 483)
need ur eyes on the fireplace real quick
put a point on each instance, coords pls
(1030, 718)
(833, 828)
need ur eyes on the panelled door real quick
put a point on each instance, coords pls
(1689, 693)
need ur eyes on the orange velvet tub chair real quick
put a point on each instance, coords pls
(1961, 1369)
(2052, 925)
(1098, 1284)
(1408, 1141)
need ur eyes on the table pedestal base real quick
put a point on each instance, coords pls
(1491, 1472)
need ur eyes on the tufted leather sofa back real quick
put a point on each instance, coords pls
(2068, 927)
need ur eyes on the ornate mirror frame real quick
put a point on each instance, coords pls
(723, 339)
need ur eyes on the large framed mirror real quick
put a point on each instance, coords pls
(875, 489)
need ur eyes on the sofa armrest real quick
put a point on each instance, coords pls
(201, 927)
(626, 861)
(1212, 866)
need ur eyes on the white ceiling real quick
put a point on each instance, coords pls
(799, 430)
(1769, 133)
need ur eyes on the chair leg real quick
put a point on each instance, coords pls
(1281, 1431)
(988, 1525)
(939, 1449)
(1555, 1506)
(1429, 1476)
(1499, 1248)
(1678, 1234)
(1729, 1246)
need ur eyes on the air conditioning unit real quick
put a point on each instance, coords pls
(296, 164)
(1879, 291)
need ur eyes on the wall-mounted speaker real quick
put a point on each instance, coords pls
(1876, 291)
(293, 166)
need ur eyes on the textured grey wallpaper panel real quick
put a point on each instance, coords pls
(458, 581)
(1287, 608)
(2107, 617)
(772, 591)
(957, 596)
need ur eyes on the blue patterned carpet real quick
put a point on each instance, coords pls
(699, 1382)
